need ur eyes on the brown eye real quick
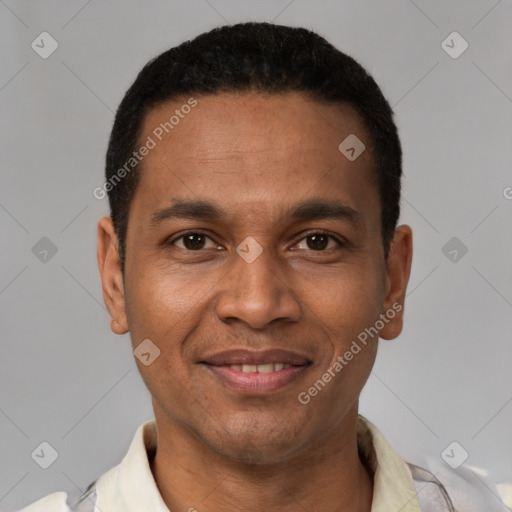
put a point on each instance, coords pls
(192, 241)
(319, 242)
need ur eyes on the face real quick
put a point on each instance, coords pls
(254, 260)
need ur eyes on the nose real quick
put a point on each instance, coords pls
(257, 293)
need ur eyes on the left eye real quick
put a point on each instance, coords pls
(319, 241)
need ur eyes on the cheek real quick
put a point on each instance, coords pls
(348, 312)
(160, 301)
(348, 302)
(338, 387)
(167, 308)
(164, 309)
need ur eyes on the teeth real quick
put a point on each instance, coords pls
(265, 368)
(260, 368)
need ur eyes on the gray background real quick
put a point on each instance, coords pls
(66, 379)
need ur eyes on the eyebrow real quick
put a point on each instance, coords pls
(312, 209)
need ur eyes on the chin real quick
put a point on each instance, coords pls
(256, 444)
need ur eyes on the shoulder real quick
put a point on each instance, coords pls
(468, 488)
(55, 502)
(109, 486)
(437, 486)
(76, 501)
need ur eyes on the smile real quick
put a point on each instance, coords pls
(260, 368)
(256, 373)
(257, 380)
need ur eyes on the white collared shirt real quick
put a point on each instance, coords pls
(130, 486)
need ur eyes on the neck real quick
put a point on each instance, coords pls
(329, 477)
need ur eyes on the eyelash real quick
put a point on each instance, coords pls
(199, 232)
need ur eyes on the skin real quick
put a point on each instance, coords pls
(255, 156)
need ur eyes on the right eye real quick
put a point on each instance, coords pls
(192, 241)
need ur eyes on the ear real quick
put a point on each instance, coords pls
(112, 284)
(397, 277)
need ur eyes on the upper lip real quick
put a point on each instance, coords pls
(244, 356)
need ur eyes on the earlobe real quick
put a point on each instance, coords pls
(119, 327)
(112, 284)
(397, 278)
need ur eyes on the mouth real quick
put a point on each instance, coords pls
(256, 373)
(259, 368)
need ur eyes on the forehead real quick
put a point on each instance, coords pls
(253, 151)
(262, 122)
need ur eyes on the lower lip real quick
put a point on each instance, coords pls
(257, 383)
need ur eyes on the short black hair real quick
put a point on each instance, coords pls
(260, 57)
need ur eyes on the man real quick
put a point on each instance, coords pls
(254, 257)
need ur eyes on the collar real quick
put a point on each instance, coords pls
(393, 488)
